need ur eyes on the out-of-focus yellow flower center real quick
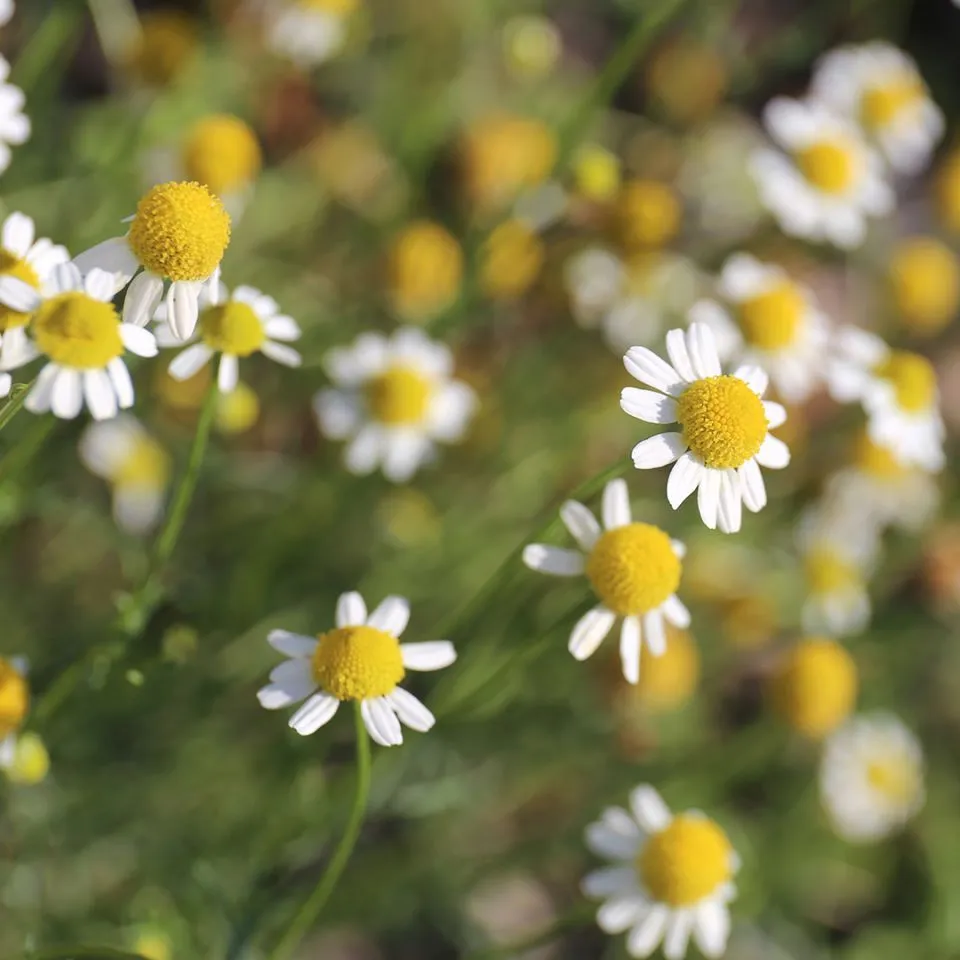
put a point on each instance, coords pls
(513, 256)
(649, 213)
(426, 266)
(147, 464)
(750, 620)
(31, 761)
(167, 40)
(180, 231)
(880, 105)
(14, 698)
(832, 166)
(723, 421)
(74, 330)
(336, 8)
(827, 571)
(399, 395)
(815, 687)
(685, 862)
(669, 680)
(913, 378)
(12, 266)
(875, 460)
(596, 172)
(896, 777)
(232, 327)
(357, 663)
(925, 278)
(633, 569)
(238, 410)
(153, 945)
(184, 395)
(771, 320)
(687, 79)
(531, 46)
(948, 191)
(222, 152)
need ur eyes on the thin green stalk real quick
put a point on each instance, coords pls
(14, 404)
(312, 906)
(117, 26)
(47, 46)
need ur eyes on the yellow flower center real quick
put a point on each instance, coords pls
(830, 165)
(875, 460)
(336, 8)
(75, 330)
(238, 410)
(233, 328)
(11, 266)
(14, 698)
(31, 761)
(668, 681)
(771, 320)
(650, 213)
(827, 571)
(815, 687)
(948, 191)
(146, 465)
(399, 395)
(180, 231)
(532, 46)
(723, 421)
(357, 663)
(513, 256)
(896, 778)
(596, 172)
(425, 266)
(925, 279)
(222, 152)
(633, 569)
(685, 862)
(913, 378)
(881, 105)
(168, 38)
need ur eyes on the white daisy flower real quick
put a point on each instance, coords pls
(232, 325)
(395, 400)
(828, 181)
(309, 32)
(361, 659)
(672, 877)
(77, 328)
(771, 322)
(634, 569)
(725, 426)
(878, 86)
(178, 235)
(871, 777)
(14, 704)
(14, 123)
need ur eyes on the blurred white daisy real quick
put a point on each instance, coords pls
(725, 426)
(14, 704)
(233, 325)
(878, 86)
(871, 777)
(394, 400)
(827, 181)
(6, 12)
(634, 569)
(769, 321)
(672, 877)
(361, 659)
(14, 123)
(309, 32)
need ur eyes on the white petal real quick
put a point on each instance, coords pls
(288, 686)
(281, 353)
(776, 414)
(645, 937)
(381, 722)
(410, 710)
(708, 497)
(6, 384)
(65, 277)
(337, 413)
(675, 612)
(684, 478)
(17, 295)
(589, 631)
(186, 363)
(644, 365)
(18, 234)
(754, 377)
(679, 548)
(647, 405)
(702, 347)
(432, 655)
(581, 523)
(648, 809)
(615, 836)
(38, 400)
(282, 327)
(364, 451)
(99, 394)
(712, 928)
(608, 881)
(658, 451)
(228, 373)
(752, 486)
(654, 632)
(773, 454)
(677, 937)
(351, 610)
(620, 913)
(137, 340)
(730, 509)
(141, 300)
(316, 712)
(403, 452)
(679, 355)
(630, 649)
(615, 508)
(66, 399)
(114, 256)
(122, 384)
(553, 560)
(183, 308)
(292, 644)
(391, 616)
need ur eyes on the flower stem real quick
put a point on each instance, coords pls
(14, 405)
(312, 906)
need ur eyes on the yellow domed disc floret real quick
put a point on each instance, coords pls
(146, 464)
(896, 778)
(14, 698)
(425, 270)
(222, 152)
(831, 166)
(827, 571)
(880, 105)
(875, 460)
(723, 421)
(399, 395)
(771, 320)
(633, 569)
(357, 663)
(180, 231)
(11, 266)
(75, 330)
(913, 378)
(512, 258)
(232, 328)
(925, 281)
(650, 213)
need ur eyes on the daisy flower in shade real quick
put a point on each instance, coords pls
(361, 659)
(233, 325)
(871, 777)
(395, 400)
(309, 32)
(14, 123)
(77, 328)
(724, 435)
(14, 704)
(634, 569)
(178, 236)
(672, 877)
(769, 321)
(879, 87)
(827, 182)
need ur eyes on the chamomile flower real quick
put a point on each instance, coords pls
(310, 32)
(77, 329)
(14, 704)
(827, 182)
(879, 87)
(871, 777)
(925, 284)
(233, 325)
(394, 400)
(178, 236)
(425, 266)
(769, 321)
(671, 877)
(634, 570)
(361, 659)
(724, 435)
(14, 123)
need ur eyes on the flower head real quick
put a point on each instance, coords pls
(425, 271)
(649, 214)
(14, 705)
(167, 41)
(310, 32)
(925, 282)
(14, 123)
(512, 258)
(221, 152)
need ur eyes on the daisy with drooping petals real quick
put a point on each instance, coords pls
(878, 86)
(772, 322)
(395, 399)
(672, 877)
(361, 659)
(871, 777)
(14, 123)
(828, 181)
(634, 569)
(14, 704)
(310, 32)
(725, 426)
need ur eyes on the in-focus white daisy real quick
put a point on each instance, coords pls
(827, 181)
(879, 87)
(634, 569)
(233, 325)
(309, 32)
(361, 659)
(394, 400)
(134, 464)
(724, 435)
(769, 321)
(871, 777)
(672, 877)
(14, 123)
(14, 704)
(178, 236)
(77, 328)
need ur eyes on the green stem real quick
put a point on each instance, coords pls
(117, 26)
(312, 906)
(47, 46)
(14, 404)
(87, 953)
